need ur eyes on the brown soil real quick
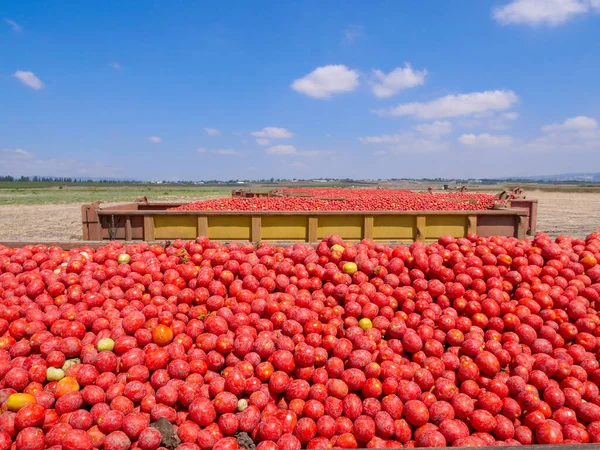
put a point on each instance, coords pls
(40, 222)
(567, 213)
(170, 439)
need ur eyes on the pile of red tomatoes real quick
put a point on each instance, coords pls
(464, 342)
(338, 199)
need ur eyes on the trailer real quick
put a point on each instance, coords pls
(247, 193)
(144, 220)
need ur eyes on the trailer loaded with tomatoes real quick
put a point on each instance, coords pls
(307, 215)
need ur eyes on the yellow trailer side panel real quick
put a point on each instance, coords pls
(350, 226)
(453, 225)
(153, 221)
(175, 227)
(235, 228)
(393, 227)
(280, 228)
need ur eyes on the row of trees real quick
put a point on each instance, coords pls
(36, 179)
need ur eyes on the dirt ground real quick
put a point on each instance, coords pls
(40, 222)
(569, 213)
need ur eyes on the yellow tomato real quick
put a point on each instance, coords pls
(16, 401)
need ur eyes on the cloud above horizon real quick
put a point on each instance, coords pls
(551, 13)
(387, 85)
(327, 81)
(460, 105)
(28, 79)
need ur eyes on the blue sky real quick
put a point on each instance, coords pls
(299, 89)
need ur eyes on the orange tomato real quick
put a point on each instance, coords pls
(588, 261)
(162, 335)
(65, 385)
(505, 260)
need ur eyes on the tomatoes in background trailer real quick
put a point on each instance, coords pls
(340, 199)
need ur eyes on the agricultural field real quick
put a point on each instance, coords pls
(52, 213)
(54, 193)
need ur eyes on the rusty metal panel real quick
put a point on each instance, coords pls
(497, 225)
(125, 207)
(137, 228)
(156, 207)
(113, 227)
(531, 206)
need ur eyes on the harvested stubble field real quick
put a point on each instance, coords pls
(45, 216)
(53, 214)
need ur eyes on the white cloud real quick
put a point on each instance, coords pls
(325, 81)
(580, 123)
(566, 141)
(382, 139)
(115, 65)
(419, 145)
(281, 150)
(298, 165)
(219, 151)
(573, 124)
(574, 135)
(225, 152)
(14, 25)
(455, 105)
(314, 153)
(485, 140)
(154, 140)
(352, 33)
(212, 131)
(16, 152)
(17, 162)
(398, 79)
(290, 150)
(436, 128)
(543, 12)
(265, 135)
(28, 79)
(490, 120)
(273, 133)
(577, 134)
(407, 142)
